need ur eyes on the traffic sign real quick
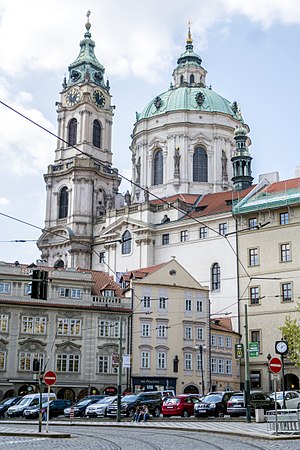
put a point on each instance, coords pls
(50, 378)
(275, 365)
(253, 349)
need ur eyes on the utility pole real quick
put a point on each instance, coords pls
(119, 391)
(247, 370)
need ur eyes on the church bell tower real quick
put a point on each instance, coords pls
(81, 184)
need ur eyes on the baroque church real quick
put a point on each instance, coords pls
(190, 160)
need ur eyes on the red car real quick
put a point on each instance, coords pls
(179, 405)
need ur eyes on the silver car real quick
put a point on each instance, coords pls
(99, 409)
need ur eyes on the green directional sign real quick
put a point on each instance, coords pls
(253, 349)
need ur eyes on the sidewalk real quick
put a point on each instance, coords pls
(237, 428)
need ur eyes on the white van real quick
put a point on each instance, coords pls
(27, 401)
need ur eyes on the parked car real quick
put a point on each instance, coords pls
(152, 400)
(27, 401)
(213, 404)
(99, 408)
(80, 407)
(236, 404)
(292, 399)
(179, 405)
(6, 403)
(56, 408)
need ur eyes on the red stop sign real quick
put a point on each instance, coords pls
(50, 377)
(275, 365)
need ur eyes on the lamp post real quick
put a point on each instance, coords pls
(269, 356)
(201, 348)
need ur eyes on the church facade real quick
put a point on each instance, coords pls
(190, 160)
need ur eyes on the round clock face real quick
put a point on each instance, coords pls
(281, 347)
(72, 97)
(98, 98)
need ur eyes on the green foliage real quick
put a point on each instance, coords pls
(291, 333)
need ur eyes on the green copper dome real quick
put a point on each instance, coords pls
(86, 67)
(191, 99)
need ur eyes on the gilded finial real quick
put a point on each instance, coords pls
(189, 39)
(88, 25)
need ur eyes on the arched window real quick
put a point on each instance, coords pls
(215, 277)
(59, 264)
(126, 242)
(72, 135)
(200, 164)
(63, 203)
(97, 134)
(158, 167)
(181, 79)
(192, 79)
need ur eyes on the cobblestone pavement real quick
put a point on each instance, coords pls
(131, 438)
(160, 435)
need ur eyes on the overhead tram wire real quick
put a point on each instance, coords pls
(125, 178)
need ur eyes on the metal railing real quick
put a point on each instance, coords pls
(285, 421)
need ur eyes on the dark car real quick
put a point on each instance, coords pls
(179, 405)
(213, 404)
(6, 403)
(236, 404)
(152, 400)
(80, 407)
(56, 408)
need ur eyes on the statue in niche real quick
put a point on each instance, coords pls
(138, 171)
(127, 198)
(224, 166)
(177, 158)
(109, 202)
(146, 194)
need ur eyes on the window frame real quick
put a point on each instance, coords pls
(254, 295)
(253, 257)
(286, 287)
(203, 232)
(285, 251)
(215, 277)
(165, 239)
(184, 235)
(69, 361)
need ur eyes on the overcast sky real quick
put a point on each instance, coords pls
(250, 49)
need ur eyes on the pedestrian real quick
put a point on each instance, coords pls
(144, 414)
(44, 414)
(135, 417)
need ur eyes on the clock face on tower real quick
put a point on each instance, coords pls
(73, 97)
(98, 98)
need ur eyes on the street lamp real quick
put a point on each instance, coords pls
(201, 348)
(269, 356)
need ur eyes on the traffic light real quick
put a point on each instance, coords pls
(39, 284)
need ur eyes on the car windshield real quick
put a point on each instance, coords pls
(106, 400)
(236, 398)
(172, 400)
(83, 402)
(129, 398)
(279, 395)
(7, 401)
(25, 401)
(212, 398)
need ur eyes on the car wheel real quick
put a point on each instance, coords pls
(185, 414)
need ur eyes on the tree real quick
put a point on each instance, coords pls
(291, 333)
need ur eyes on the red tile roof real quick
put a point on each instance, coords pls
(141, 273)
(187, 198)
(282, 186)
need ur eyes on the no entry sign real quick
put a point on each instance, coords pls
(275, 365)
(50, 378)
